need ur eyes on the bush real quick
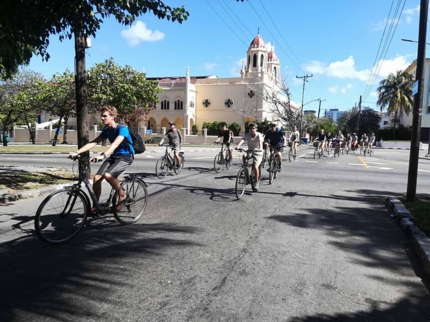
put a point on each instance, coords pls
(194, 129)
(235, 128)
(262, 126)
(402, 134)
(215, 127)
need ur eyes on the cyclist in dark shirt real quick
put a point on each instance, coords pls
(321, 138)
(276, 137)
(227, 137)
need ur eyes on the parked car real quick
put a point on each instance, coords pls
(154, 140)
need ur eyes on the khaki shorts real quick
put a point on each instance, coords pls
(257, 157)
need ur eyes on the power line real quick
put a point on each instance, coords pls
(238, 19)
(225, 23)
(264, 7)
(234, 20)
(274, 38)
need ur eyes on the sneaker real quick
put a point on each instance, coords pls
(178, 166)
(280, 169)
(255, 189)
(162, 166)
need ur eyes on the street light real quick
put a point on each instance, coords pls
(408, 40)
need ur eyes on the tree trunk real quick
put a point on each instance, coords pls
(394, 127)
(5, 134)
(54, 141)
(66, 119)
(29, 129)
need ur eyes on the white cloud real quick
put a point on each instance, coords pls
(333, 89)
(235, 70)
(138, 33)
(210, 66)
(374, 94)
(410, 13)
(346, 69)
(381, 25)
(346, 88)
(269, 46)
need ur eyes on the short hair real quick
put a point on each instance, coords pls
(223, 124)
(110, 109)
(251, 125)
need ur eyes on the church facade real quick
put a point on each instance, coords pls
(194, 100)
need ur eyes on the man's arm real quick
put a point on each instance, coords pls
(180, 138)
(89, 145)
(240, 143)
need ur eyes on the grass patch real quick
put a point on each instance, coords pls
(18, 181)
(420, 209)
(45, 148)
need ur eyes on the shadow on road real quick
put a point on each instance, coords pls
(71, 282)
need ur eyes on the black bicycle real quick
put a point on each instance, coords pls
(168, 163)
(222, 159)
(244, 177)
(273, 165)
(63, 213)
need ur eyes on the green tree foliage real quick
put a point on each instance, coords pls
(20, 100)
(235, 128)
(395, 94)
(122, 87)
(215, 127)
(26, 26)
(369, 121)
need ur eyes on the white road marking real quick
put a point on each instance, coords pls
(401, 163)
(333, 162)
(423, 170)
(375, 162)
(150, 156)
(380, 168)
(355, 164)
(201, 158)
(302, 155)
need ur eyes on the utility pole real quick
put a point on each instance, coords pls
(359, 113)
(418, 103)
(319, 107)
(305, 79)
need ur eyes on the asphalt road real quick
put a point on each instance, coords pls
(316, 245)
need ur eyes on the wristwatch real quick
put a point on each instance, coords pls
(104, 155)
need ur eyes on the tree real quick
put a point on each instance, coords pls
(122, 87)
(19, 101)
(395, 95)
(60, 99)
(369, 121)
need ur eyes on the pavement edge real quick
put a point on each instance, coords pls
(418, 241)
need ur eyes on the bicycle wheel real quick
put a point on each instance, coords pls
(315, 154)
(161, 168)
(241, 183)
(218, 163)
(227, 160)
(370, 152)
(61, 216)
(290, 155)
(135, 204)
(182, 161)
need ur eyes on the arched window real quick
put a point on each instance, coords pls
(168, 105)
(254, 61)
(176, 105)
(182, 105)
(249, 61)
(274, 71)
(162, 105)
(261, 60)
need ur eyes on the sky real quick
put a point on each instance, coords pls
(348, 46)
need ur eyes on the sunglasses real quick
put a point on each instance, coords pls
(104, 116)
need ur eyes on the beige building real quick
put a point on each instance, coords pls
(193, 100)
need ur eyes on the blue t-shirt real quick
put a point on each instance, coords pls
(126, 146)
(275, 138)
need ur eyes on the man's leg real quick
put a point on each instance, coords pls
(97, 185)
(177, 158)
(295, 148)
(116, 185)
(257, 175)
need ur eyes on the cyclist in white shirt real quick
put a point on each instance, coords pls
(371, 140)
(254, 140)
(340, 138)
(354, 141)
(295, 138)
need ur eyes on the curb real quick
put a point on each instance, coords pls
(5, 198)
(418, 241)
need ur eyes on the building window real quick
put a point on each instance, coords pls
(428, 109)
(206, 103)
(385, 122)
(254, 61)
(165, 105)
(228, 103)
(179, 105)
(261, 60)
(192, 104)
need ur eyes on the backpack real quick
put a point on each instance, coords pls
(138, 145)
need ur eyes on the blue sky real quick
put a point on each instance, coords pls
(335, 40)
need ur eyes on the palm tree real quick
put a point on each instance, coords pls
(395, 94)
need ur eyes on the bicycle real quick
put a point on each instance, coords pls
(328, 145)
(244, 178)
(338, 148)
(265, 158)
(168, 163)
(370, 150)
(273, 165)
(221, 159)
(62, 214)
(291, 155)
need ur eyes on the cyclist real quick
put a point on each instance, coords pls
(254, 140)
(175, 141)
(276, 137)
(339, 139)
(354, 141)
(348, 141)
(295, 137)
(371, 140)
(227, 136)
(321, 138)
(364, 140)
(328, 139)
(118, 156)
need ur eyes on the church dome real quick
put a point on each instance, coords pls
(272, 56)
(257, 42)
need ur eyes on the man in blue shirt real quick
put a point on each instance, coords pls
(118, 156)
(276, 137)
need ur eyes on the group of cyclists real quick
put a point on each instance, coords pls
(120, 154)
(348, 142)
